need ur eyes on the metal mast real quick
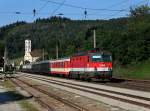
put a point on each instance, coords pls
(5, 59)
(57, 51)
(94, 38)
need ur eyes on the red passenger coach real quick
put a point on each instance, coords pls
(61, 66)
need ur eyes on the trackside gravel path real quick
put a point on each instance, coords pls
(7, 103)
(132, 100)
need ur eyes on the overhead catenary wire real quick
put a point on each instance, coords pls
(16, 12)
(43, 6)
(79, 7)
(93, 9)
(60, 5)
(64, 4)
(114, 5)
(139, 3)
(118, 4)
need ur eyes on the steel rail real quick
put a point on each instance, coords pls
(98, 89)
(100, 94)
(42, 103)
(69, 103)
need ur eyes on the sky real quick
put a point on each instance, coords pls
(22, 10)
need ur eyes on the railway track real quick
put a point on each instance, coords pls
(143, 85)
(37, 98)
(39, 88)
(139, 100)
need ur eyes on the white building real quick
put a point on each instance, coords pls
(27, 56)
(27, 46)
(31, 56)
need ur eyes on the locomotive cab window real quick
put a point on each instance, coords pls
(101, 58)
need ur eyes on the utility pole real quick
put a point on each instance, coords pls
(5, 59)
(57, 51)
(94, 38)
(43, 54)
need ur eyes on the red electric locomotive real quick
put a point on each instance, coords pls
(92, 64)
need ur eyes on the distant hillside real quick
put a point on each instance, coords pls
(71, 36)
(127, 38)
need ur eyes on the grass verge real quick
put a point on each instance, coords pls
(139, 70)
(22, 101)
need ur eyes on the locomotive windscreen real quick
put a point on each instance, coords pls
(101, 58)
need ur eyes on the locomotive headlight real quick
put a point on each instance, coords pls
(109, 69)
(95, 69)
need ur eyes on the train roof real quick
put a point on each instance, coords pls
(51, 61)
(60, 60)
(46, 61)
(96, 50)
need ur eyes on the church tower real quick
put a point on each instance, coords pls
(27, 56)
(27, 46)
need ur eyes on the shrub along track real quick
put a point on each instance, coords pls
(41, 94)
(124, 97)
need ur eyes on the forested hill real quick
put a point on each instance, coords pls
(127, 38)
